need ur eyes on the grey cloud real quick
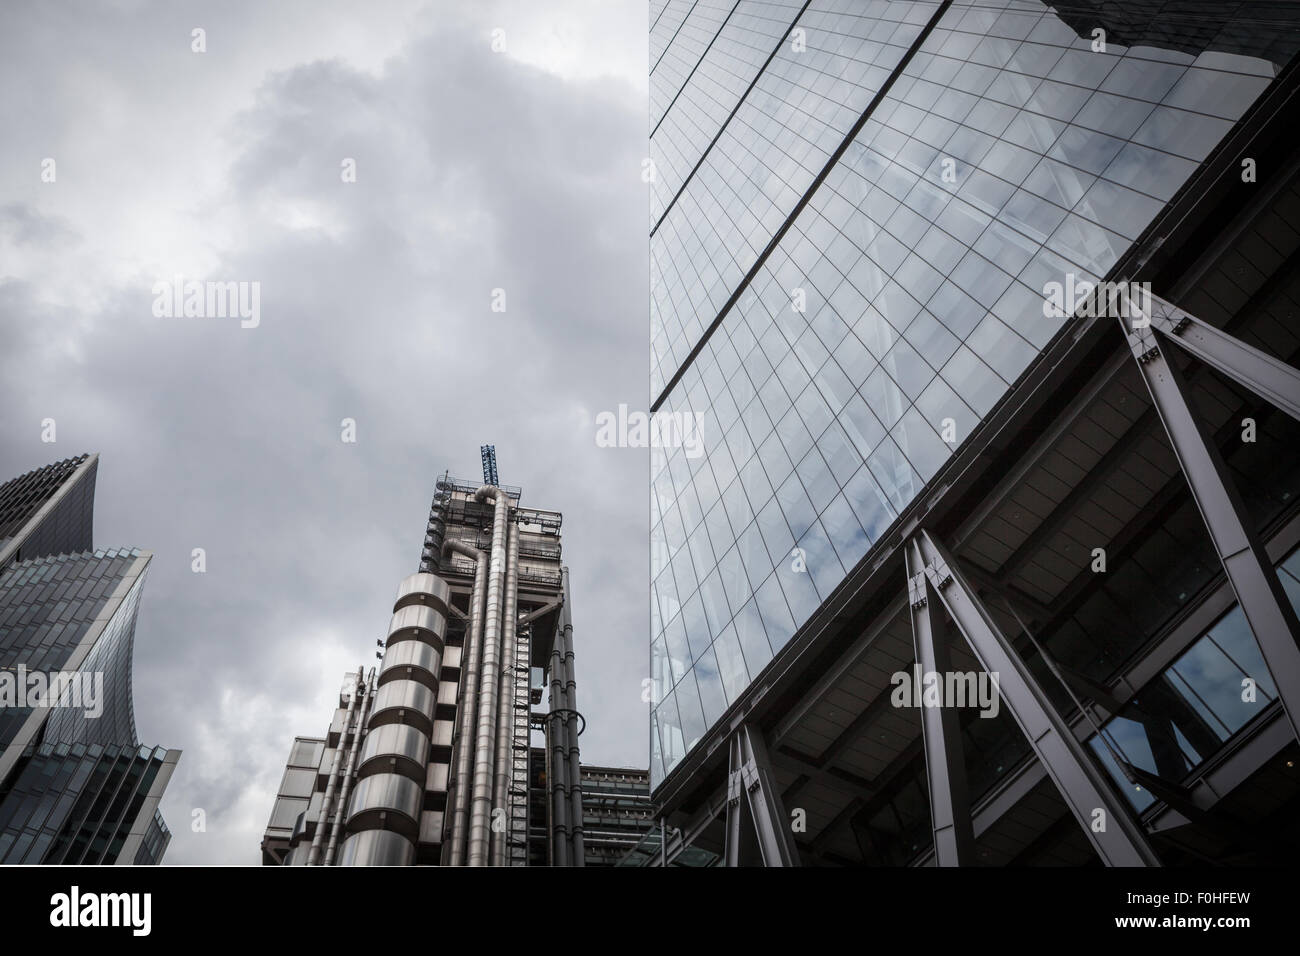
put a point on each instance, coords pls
(475, 172)
(27, 225)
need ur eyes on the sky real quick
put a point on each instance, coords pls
(476, 169)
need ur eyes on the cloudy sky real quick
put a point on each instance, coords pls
(476, 170)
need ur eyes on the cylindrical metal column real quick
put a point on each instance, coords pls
(480, 818)
(389, 791)
(460, 786)
(577, 853)
(557, 780)
(506, 696)
(550, 819)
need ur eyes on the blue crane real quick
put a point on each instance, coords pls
(489, 453)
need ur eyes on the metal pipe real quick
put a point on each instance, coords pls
(367, 698)
(558, 779)
(489, 676)
(577, 851)
(459, 785)
(506, 698)
(550, 823)
(322, 821)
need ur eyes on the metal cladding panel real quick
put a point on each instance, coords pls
(376, 848)
(423, 588)
(403, 701)
(381, 800)
(422, 659)
(403, 747)
(418, 622)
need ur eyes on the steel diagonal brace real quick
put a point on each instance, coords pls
(951, 823)
(1270, 379)
(1250, 572)
(756, 819)
(1114, 833)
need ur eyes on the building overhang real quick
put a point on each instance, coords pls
(1186, 250)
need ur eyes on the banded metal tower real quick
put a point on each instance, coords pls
(427, 758)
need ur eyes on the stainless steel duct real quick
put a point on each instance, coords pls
(459, 787)
(367, 696)
(377, 848)
(506, 697)
(577, 850)
(327, 803)
(489, 677)
(550, 811)
(557, 780)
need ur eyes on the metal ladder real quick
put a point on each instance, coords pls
(520, 736)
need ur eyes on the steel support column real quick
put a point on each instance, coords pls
(1251, 574)
(945, 766)
(577, 836)
(1116, 836)
(1270, 379)
(557, 771)
(758, 830)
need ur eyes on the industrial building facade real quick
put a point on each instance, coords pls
(616, 813)
(988, 313)
(76, 785)
(429, 757)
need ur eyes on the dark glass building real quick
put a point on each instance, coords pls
(49, 510)
(76, 786)
(987, 311)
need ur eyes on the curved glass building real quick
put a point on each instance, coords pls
(76, 785)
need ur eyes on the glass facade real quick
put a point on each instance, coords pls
(1184, 715)
(111, 656)
(856, 212)
(47, 606)
(76, 786)
(76, 803)
(65, 529)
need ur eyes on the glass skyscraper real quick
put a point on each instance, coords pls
(857, 212)
(76, 786)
